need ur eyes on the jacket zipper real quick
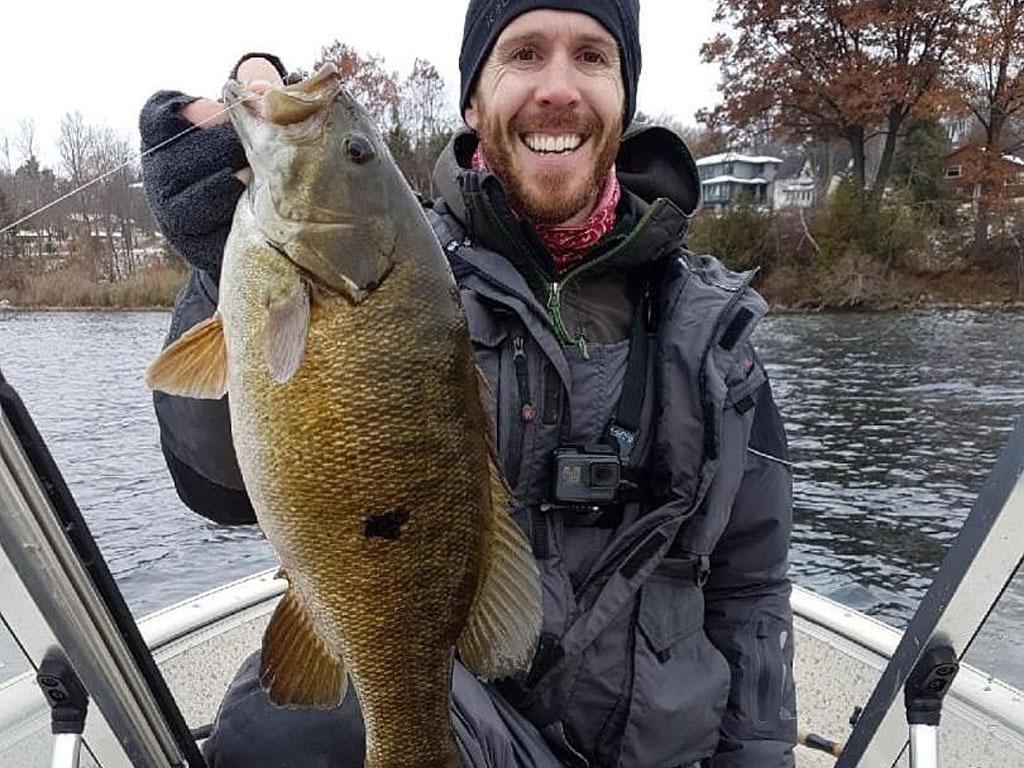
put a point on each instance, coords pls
(526, 410)
(763, 672)
(556, 289)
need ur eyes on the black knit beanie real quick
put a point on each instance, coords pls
(485, 19)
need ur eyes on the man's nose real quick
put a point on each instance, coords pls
(559, 86)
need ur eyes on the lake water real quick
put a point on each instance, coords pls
(894, 421)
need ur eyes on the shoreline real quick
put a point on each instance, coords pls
(882, 308)
(15, 309)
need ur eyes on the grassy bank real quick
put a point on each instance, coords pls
(75, 288)
(858, 283)
(852, 282)
(849, 255)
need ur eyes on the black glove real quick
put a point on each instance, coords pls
(190, 182)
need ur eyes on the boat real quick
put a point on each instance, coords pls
(154, 685)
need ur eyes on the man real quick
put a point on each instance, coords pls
(614, 355)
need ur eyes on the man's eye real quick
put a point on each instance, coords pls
(525, 54)
(593, 57)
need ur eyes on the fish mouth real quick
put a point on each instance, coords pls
(289, 104)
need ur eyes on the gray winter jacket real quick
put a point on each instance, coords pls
(667, 633)
(667, 629)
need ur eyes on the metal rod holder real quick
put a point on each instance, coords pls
(69, 704)
(66, 750)
(924, 692)
(924, 746)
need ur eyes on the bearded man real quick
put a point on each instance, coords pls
(634, 421)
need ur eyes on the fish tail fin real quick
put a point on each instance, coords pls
(504, 623)
(196, 365)
(297, 667)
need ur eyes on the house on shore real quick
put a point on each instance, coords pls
(965, 166)
(795, 185)
(730, 177)
(764, 181)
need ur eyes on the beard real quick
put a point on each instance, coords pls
(554, 196)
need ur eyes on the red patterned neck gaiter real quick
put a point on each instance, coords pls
(571, 245)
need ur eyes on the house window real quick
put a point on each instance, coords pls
(954, 171)
(717, 192)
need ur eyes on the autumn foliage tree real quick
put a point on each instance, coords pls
(834, 69)
(992, 91)
(412, 114)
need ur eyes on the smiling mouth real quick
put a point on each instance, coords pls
(553, 144)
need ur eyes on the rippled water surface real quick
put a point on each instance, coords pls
(80, 375)
(894, 422)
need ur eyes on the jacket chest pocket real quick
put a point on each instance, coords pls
(489, 339)
(505, 354)
(680, 680)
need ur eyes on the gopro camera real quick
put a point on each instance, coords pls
(588, 475)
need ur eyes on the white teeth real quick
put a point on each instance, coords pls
(542, 142)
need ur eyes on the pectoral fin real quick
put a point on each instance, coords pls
(287, 330)
(501, 635)
(297, 668)
(196, 365)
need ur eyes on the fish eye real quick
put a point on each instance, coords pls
(359, 149)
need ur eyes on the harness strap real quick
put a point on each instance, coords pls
(625, 425)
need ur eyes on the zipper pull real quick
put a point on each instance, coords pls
(554, 298)
(518, 348)
(583, 347)
(526, 410)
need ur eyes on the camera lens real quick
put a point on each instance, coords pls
(604, 475)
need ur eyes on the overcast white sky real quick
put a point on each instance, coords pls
(104, 58)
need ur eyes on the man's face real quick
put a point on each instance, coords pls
(548, 108)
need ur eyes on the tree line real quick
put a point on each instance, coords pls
(853, 72)
(97, 229)
(835, 78)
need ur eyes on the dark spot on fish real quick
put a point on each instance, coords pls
(387, 525)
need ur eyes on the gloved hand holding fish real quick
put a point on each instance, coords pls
(357, 419)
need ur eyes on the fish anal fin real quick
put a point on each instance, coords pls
(287, 329)
(196, 365)
(297, 668)
(504, 624)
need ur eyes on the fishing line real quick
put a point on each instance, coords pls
(124, 165)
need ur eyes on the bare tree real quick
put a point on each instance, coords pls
(5, 154)
(25, 141)
(110, 150)
(423, 125)
(75, 143)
